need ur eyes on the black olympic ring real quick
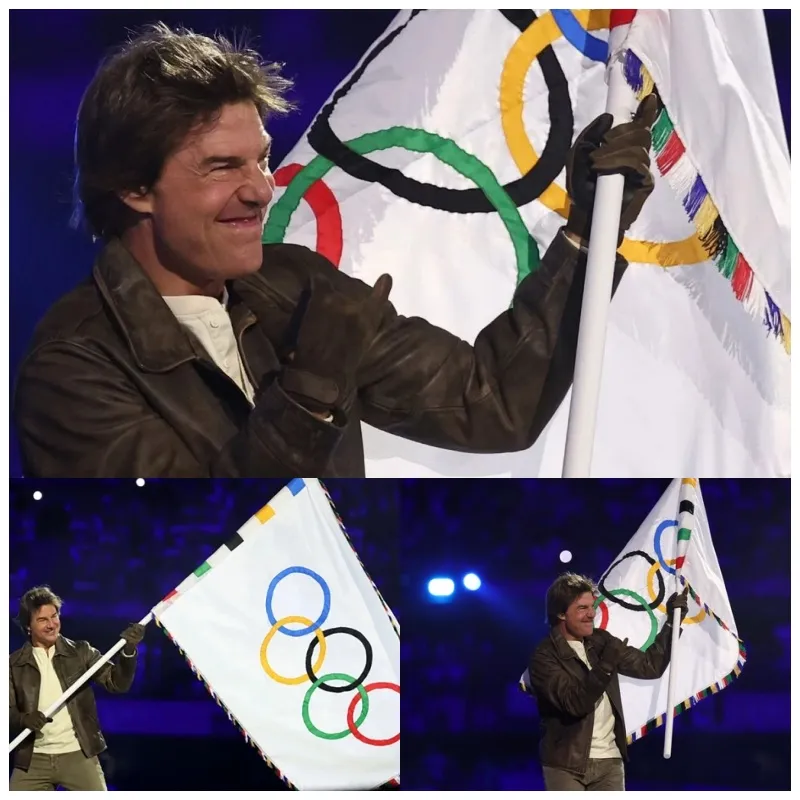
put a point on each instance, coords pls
(460, 201)
(359, 680)
(632, 606)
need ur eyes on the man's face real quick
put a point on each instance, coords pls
(579, 618)
(208, 206)
(45, 626)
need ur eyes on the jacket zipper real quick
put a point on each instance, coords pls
(591, 733)
(239, 345)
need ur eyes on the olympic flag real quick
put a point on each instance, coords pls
(293, 640)
(632, 605)
(440, 160)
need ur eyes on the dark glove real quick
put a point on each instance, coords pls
(334, 332)
(680, 601)
(35, 720)
(603, 150)
(132, 635)
(612, 655)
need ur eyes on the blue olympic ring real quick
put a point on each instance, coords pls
(667, 523)
(583, 41)
(326, 603)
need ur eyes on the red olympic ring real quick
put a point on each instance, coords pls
(603, 615)
(323, 203)
(351, 710)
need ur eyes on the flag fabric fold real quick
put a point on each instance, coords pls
(735, 182)
(293, 640)
(632, 605)
(440, 159)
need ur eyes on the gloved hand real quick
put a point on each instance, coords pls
(335, 331)
(35, 720)
(132, 635)
(612, 655)
(603, 150)
(680, 601)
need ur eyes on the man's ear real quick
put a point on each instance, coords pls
(141, 202)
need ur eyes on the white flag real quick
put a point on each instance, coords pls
(443, 152)
(291, 637)
(632, 605)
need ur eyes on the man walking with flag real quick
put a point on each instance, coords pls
(574, 676)
(64, 748)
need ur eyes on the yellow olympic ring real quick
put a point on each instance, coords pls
(699, 617)
(543, 32)
(268, 638)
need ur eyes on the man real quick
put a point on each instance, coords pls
(574, 674)
(63, 749)
(195, 351)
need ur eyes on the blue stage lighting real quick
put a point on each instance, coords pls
(441, 587)
(472, 581)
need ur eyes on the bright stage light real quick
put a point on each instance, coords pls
(441, 587)
(472, 582)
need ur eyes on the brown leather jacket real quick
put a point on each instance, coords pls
(113, 386)
(70, 661)
(567, 693)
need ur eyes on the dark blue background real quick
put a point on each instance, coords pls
(53, 55)
(113, 550)
(466, 725)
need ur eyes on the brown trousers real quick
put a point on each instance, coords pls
(69, 771)
(602, 775)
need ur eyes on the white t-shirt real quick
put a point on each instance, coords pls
(604, 745)
(57, 736)
(208, 320)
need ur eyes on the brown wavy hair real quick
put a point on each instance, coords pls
(32, 601)
(144, 100)
(563, 591)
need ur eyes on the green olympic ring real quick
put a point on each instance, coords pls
(418, 141)
(645, 605)
(334, 676)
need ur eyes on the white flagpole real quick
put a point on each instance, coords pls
(672, 685)
(685, 521)
(621, 103)
(79, 683)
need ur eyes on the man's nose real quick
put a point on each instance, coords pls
(258, 189)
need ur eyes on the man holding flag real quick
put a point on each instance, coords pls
(194, 351)
(574, 676)
(64, 748)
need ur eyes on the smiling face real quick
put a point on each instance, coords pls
(578, 621)
(205, 214)
(45, 626)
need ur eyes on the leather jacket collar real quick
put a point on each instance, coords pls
(562, 646)
(156, 339)
(64, 647)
